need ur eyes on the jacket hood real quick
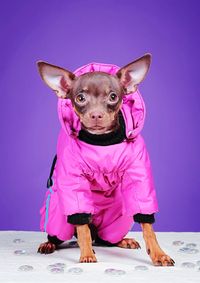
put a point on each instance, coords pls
(133, 107)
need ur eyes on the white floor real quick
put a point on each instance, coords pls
(108, 257)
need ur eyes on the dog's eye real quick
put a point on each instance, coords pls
(113, 97)
(80, 98)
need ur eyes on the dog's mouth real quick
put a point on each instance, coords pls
(97, 129)
(94, 127)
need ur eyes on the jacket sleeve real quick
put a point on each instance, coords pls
(138, 191)
(73, 187)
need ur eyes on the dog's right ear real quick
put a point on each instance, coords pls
(57, 78)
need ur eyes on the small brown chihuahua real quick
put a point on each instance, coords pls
(96, 98)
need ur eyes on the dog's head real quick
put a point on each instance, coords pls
(96, 96)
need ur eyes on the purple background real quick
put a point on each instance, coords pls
(73, 33)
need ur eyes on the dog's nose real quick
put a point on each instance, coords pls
(96, 115)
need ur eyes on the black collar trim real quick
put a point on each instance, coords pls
(117, 136)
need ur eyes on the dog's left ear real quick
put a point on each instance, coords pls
(134, 73)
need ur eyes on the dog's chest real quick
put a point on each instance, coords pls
(107, 162)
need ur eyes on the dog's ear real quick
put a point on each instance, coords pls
(57, 78)
(134, 73)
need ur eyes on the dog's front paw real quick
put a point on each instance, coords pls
(157, 255)
(162, 259)
(88, 257)
(46, 248)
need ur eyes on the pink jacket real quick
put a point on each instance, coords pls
(92, 178)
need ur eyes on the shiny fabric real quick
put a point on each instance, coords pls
(112, 182)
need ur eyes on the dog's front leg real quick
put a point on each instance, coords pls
(157, 255)
(85, 243)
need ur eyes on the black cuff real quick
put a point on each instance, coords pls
(79, 218)
(54, 240)
(144, 218)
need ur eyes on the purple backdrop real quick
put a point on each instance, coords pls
(73, 33)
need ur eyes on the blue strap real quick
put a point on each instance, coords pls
(47, 209)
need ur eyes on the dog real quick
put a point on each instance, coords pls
(102, 178)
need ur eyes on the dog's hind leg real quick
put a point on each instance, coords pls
(128, 243)
(50, 246)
